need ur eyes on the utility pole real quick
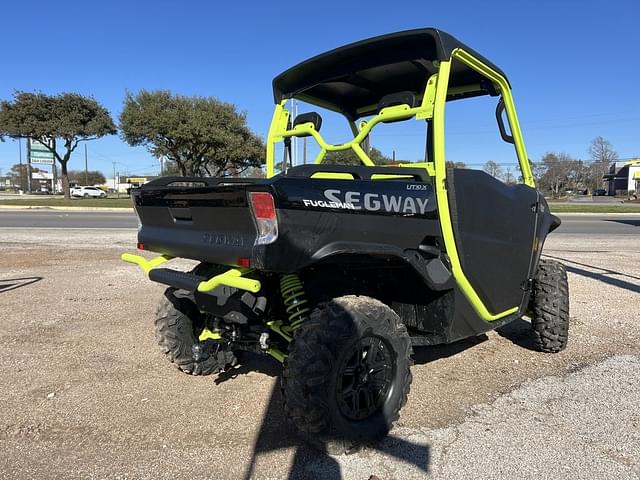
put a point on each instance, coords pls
(29, 165)
(20, 160)
(115, 187)
(54, 177)
(86, 166)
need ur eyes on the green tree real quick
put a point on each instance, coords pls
(171, 169)
(348, 157)
(199, 135)
(66, 119)
(91, 177)
(18, 175)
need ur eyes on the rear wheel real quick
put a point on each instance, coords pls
(347, 374)
(178, 325)
(550, 307)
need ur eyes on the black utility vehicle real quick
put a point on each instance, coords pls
(338, 271)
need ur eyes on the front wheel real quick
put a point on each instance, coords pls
(550, 307)
(348, 373)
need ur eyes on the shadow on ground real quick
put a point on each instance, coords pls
(518, 332)
(626, 221)
(277, 433)
(251, 362)
(603, 274)
(15, 283)
(424, 355)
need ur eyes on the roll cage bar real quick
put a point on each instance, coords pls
(432, 102)
(432, 107)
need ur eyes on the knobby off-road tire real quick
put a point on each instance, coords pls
(550, 307)
(345, 344)
(177, 326)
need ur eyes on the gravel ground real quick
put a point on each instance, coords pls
(86, 394)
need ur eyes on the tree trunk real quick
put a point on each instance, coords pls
(65, 180)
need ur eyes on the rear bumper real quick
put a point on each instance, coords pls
(187, 281)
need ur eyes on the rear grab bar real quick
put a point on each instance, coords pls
(231, 278)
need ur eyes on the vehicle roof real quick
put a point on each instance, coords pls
(353, 78)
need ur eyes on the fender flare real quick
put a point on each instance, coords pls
(433, 271)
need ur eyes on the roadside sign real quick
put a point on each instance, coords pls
(39, 153)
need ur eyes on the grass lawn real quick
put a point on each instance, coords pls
(569, 208)
(556, 207)
(124, 202)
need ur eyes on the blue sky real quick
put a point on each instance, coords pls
(574, 65)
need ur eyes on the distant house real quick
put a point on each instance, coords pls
(623, 177)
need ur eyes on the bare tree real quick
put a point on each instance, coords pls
(555, 172)
(509, 178)
(603, 155)
(493, 169)
(452, 164)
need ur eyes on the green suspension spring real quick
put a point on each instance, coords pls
(294, 299)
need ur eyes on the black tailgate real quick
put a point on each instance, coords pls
(202, 219)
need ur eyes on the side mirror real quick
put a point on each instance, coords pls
(309, 117)
(507, 137)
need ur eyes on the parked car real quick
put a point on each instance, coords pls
(87, 192)
(599, 192)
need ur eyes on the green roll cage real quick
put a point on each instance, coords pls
(432, 107)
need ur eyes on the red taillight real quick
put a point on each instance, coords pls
(263, 206)
(140, 246)
(264, 214)
(244, 262)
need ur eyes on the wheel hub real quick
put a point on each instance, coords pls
(364, 378)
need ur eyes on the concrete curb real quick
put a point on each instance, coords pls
(613, 214)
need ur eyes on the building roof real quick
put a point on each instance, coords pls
(352, 79)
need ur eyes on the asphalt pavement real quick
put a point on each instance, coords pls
(66, 219)
(595, 224)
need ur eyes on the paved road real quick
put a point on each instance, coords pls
(66, 219)
(628, 224)
(611, 224)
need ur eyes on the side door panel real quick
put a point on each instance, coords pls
(494, 228)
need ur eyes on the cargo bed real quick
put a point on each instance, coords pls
(211, 220)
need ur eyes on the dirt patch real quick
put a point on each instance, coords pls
(89, 395)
